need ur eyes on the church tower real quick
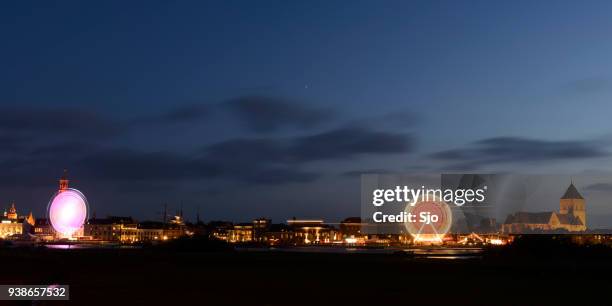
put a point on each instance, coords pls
(63, 182)
(572, 203)
(12, 214)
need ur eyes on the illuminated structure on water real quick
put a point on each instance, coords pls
(11, 224)
(67, 210)
(434, 231)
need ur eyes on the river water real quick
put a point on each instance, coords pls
(433, 253)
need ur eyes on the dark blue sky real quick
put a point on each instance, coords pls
(271, 108)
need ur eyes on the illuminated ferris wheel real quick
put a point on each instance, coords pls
(433, 219)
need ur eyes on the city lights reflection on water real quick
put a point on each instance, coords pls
(89, 246)
(429, 253)
(426, 253)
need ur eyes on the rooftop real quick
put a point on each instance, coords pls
(572, 193)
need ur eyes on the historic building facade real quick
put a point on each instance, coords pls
(13, 224)
(571, 216)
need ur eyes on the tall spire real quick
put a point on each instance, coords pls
(198, 215)
(572, 192)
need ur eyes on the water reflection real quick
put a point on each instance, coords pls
(432, 253)
(89, 246)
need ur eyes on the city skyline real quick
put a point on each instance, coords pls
(155, 104)
(512, 195)
(298, 152)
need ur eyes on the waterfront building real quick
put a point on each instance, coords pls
(571, 216)
(177, 220)
(312, 231)
(260, 227)
(156, 231)
(12, 224)
(278, 234)
(351, 227)
(43, 229)
(127, 230)
(242, 232)
(220, 229)
(112, 228)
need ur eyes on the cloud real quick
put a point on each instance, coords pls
(62, 149)
(248, 151)
(181, 114)
(357, 173)
(341, 143)
(346, 143)
(122, 166)
(278, 175)
(95, 165)
(126, 164)
(267, 160)
(258, 113)
(253, 160)
(599, 187)
(66, 121)
(13, 142)
(155, 167)
(516, 149)
(399, 119)
(257, 160)
(263, 114)
(266, 114)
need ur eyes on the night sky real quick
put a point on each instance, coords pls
(273, 108)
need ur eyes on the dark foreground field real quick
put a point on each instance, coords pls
(162, 277)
